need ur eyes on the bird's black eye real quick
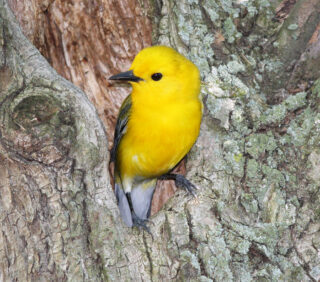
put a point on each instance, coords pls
(156, 76)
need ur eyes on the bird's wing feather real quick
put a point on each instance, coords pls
(121, 125)
(142, 192)
(120, 130)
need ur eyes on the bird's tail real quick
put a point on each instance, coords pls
(141, 198)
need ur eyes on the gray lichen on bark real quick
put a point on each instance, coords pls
(256, 155)
(255, 162)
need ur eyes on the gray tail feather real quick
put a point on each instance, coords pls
(141, 196)
(123, 204)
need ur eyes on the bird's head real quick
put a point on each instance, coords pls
(160, 71)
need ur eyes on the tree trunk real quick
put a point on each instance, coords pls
(256, 160)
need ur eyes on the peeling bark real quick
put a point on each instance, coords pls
(87, 42)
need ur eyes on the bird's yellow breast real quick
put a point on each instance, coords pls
(158, 136)
(164, 117)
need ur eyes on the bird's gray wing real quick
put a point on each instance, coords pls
(121, 126)
(120, 130)
(142, 190)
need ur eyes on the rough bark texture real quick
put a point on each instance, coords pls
(256, 161)
(88, 41)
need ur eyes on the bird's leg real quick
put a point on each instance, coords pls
(180, 181)
(137, 221)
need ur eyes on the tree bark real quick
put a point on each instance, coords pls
(88, 41)
(256, 160)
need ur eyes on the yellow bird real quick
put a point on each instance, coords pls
(158, 123)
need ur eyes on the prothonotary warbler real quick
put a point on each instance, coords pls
(158, 123)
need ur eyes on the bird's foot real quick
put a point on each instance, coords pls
(181, 182)
(140, 223)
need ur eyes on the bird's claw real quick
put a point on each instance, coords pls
(183, 182)
(141, 223)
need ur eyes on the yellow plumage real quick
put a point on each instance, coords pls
(162, 119)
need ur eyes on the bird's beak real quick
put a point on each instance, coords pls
(126, 76)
